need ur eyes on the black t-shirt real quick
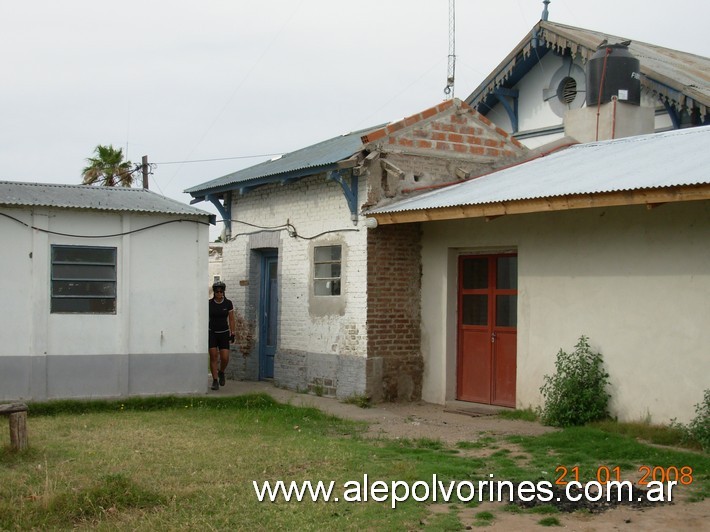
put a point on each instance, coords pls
(219, 315)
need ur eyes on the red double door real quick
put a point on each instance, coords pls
(487, 328)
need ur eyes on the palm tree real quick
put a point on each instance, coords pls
(108, 168)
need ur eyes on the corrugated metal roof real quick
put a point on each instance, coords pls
(318, 155)
(20, 194)
(669, 159)
(680, 76)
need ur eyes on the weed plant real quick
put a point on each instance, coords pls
(698, 430)
(577, 392)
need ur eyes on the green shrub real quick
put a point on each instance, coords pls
(576, 393)
(698, 430)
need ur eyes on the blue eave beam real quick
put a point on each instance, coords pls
(503, 94)
(349, 189)
(224, 210)
(672, 113)
(340, 172)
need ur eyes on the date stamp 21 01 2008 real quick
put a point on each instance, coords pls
(682, 475)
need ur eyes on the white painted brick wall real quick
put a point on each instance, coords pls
(312, 205)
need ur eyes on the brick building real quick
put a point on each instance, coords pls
(322, 303)
(426, 305)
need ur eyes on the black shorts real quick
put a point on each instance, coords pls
(219, 340)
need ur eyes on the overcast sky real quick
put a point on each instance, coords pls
(183, 81)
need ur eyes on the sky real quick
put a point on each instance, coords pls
(208, 88)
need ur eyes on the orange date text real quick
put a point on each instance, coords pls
(682, 475)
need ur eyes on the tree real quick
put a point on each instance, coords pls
(108, 168)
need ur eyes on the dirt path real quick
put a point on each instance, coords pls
(424, 420)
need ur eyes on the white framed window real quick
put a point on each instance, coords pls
(327, 265)
(83, 280)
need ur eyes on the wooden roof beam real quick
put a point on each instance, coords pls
(561, 203)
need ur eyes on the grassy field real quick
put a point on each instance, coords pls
(187, 464)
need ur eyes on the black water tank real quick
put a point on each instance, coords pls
(620, 77)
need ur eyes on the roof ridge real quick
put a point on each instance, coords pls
(74, 185)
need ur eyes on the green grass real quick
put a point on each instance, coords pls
(188, 463)
(544, 509)
(591, 449)
(526, 414)
(444, 521)
(484, 519)
(480, 443)
(656, 434)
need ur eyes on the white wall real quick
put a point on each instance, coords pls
(636, 281)
(16, 284)
(312, 206)
(161, 303)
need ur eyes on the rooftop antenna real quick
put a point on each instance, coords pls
(545, 12)
(451, 70)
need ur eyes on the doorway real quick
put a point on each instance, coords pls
(487, 329)
(268, 314)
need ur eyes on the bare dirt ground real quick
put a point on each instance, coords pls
(424, 420)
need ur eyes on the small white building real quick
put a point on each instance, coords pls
(102, 292)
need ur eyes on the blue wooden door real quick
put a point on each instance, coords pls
(268, 315)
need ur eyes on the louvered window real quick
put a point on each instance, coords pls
(83, 280)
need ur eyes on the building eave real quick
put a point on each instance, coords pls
(649, 197)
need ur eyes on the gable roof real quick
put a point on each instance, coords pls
(681, 78)
(313, 159)
(463, 133)
(119, 199)
(632, 170)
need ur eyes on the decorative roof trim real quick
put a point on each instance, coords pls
(558, 37)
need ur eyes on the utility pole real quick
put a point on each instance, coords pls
(144, 167)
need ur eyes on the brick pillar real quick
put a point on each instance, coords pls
(393, 309)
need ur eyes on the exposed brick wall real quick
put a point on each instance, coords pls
(444, 144)
(393, 308)
(460, 131)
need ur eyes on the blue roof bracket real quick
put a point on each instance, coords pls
(672, 113)
(503, 94)
(225, 211)
(349, 190)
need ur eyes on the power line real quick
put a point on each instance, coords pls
(223, 158)
(74, 235)
(288, 227)
(253, 66)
